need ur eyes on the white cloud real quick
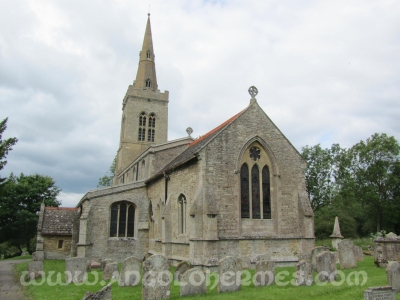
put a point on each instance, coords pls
(327, 72)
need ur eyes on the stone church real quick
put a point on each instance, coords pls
(237, 190)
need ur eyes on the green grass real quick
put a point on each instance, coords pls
(376, 277)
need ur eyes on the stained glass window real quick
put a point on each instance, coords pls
(255, 192)
(244, 187)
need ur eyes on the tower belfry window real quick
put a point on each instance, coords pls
(151, 131)
(148, 54)
(148, 82)
(142, 127)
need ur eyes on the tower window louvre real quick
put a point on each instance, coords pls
(148, 82)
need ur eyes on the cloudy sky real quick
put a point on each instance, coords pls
(327, 72)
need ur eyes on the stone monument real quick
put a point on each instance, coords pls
(336, 236)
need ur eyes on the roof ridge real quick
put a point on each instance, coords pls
(60, 208)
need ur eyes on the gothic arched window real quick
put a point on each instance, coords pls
(148, 54)
(122, 219)
(182, 214)
(142, 127)
(151, 131)
(255, 184)
(148, 82)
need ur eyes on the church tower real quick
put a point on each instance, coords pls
(144, 109)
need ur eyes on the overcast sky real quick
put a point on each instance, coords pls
(327, 72)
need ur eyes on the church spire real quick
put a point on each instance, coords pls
(146, 75)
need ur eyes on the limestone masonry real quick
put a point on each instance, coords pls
(238, 190)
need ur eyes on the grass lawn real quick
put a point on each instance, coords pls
(51, 291)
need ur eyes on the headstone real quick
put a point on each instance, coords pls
(304, 273)
(35, 269)
(76, 267)
(103, 294)
(181, 268)
(386, 249)
(95, 265)
(104, 262)
(346, 255)
(326, 266)
(314, 253)
(336, 236)
(38, 256)
(358, 253)
(130, 273)
(111, 271)
(393, 275)
(193, 282)
(156, 278)
(265, 273)
(263, 257)
(380, 293)
(229, 274)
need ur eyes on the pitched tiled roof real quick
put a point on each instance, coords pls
(194, 148)
(58, 220)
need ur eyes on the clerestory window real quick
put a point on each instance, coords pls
(122, 219)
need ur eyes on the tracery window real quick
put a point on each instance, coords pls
(142, 127)
(182, 214)
(122, 219)
(255, 186)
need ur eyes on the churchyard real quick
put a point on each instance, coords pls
(283, 288)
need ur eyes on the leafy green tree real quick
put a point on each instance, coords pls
(20, 200)
(107, 179)
(5, 146)
(375, 168)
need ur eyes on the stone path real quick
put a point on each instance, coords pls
(10, 288)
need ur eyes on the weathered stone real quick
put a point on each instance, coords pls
(95, 265)
(326, 266)
(193, 282)
(130, 273)
(35, 269)
(263, 257)
(265, 273)
(76, 269)
(104, 294)
(105, 262)
(305, 256)
(156, 278)
(380, 293)
(229, 272)
(393, 275)
(391, 235)
(111, 271)
(314, 253)
(38, 256)
(358, 253)
(246, 262)
(181, 268)
(386, 250)
(304, 273)
(346, 255)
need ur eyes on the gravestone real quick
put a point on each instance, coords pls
(38, 256)
(103, 294)
(104, 262)
(130, 273)
(111, 271)
(265, 273)
(304, 273)
(393, 275)
(326, 266)
(263, 257)
(314, 253)
(181, 268)
(386, 249)
(358, 253)
(246, 262)
(156, 278)
(95, 265)
(193, 282)
(380, 293)
(346, 255)
(229, 274)
(35, 270)
(305, 256)
(76, 267)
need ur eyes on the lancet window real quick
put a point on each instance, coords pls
(182, 214)
(142, 127)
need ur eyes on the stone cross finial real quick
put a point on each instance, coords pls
(189, 131)
(253, 91)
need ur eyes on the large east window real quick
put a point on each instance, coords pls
(122, 219)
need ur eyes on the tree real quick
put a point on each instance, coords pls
(107, 179)
(20, 200)
(5, 146)
(375, 167)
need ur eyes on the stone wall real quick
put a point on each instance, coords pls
(51, 249)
